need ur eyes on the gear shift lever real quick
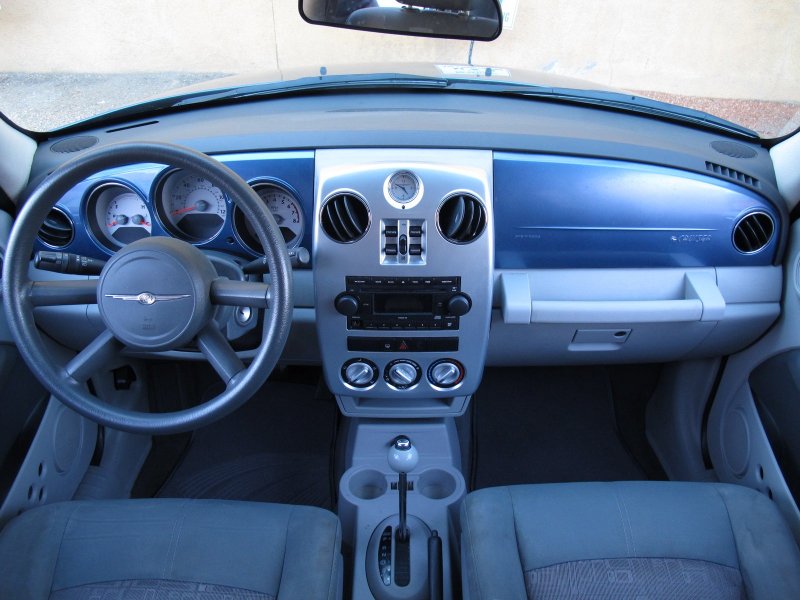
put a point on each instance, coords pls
(403, 457)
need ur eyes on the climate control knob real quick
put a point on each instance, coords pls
(445, 373)
(402, 373)
(346, 304)
(459, 305)
(359, 373)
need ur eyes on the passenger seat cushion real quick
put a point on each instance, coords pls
(237, 549)
(606, 538)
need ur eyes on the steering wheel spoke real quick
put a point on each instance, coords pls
(219, 353)
(228, 292)
(62, 293)
(98, 354)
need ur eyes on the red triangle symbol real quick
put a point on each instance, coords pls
(403, 346)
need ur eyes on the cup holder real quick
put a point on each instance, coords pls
(436, 484)
(368, 484)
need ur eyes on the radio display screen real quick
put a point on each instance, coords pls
(403, 304)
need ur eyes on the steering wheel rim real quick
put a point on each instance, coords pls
(67, 382)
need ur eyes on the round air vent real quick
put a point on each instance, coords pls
(461, 219)
(733, 149)
(345, 218)
(74, 144)
(753, 232)
(57, 230)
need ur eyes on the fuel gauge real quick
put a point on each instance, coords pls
(118, 215)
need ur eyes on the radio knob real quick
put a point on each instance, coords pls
(346, 304)
(360, 373)
(403, 374)
(459, 304)
(445, 373)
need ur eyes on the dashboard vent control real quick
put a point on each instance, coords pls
(732, 174)
(345, 218)
(461, 219)
(733, 149)
(57, 230)
(753, 232)
(74, 144)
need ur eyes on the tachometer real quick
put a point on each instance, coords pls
(285, 208)
(118, 215)
(191, 207)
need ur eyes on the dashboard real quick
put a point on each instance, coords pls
(450, 231)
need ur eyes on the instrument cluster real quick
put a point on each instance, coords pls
(187, 206)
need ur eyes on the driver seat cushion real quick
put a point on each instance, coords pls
(165, 548)
(626, 540)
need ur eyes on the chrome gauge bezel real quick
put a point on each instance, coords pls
(161, 189)
(390, 195)
(96, 223)
(239, 223)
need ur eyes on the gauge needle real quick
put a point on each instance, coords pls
(180, 211)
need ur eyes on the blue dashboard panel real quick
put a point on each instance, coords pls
(567, 212)
(292, 170)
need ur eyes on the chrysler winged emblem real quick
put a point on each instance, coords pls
(147, 298)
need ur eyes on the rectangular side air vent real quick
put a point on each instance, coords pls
(732, 174)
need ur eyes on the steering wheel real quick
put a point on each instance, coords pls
(155, 294)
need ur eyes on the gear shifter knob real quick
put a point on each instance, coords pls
(403, 456)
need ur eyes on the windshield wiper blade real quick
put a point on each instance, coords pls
(335, 82)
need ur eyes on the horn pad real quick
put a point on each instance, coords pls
(154, 294)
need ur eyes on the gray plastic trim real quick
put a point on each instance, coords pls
(366, 496)
(443, 172)
(785, 158)
(17, 151)
(56, 461)
(581, 316)
(737, 443)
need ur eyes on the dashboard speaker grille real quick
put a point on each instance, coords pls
(753, 232)
(74, 144)
(345, 218)
(461, 219)
(57, 230)
(733, 149)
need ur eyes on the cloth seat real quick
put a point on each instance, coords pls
(165, 549)
(626, 540)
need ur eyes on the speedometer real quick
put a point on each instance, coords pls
(191, 207)
(285, 209)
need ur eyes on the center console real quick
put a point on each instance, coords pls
(403, 261)
(403, 255)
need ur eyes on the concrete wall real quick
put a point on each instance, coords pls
(723, 48)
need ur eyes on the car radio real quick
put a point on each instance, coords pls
(408, 303)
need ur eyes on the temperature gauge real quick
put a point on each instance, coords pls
(118, 215)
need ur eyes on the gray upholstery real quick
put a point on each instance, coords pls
(168, 548)
(626, 540)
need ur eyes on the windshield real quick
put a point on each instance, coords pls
(61, 62)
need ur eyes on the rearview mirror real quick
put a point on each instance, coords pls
(457, 19)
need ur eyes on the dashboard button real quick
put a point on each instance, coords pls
(403, 244)
(346, 304)
(390, 231)
(359, 373)
(445, 373)
(415, 249)
(390, 250)
(415, 231)
(402, 373)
